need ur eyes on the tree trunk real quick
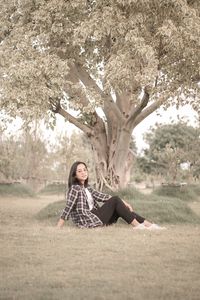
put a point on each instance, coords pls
(113, 162)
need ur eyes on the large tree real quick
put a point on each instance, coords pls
(127, 57)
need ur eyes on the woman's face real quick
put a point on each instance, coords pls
(81, 173)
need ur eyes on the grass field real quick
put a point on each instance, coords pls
(38, 261)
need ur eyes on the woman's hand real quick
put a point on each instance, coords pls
(60, 223)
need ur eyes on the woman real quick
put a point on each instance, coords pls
(82, 204)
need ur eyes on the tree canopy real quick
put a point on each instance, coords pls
(126, 57)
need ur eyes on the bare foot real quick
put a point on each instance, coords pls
(147, 223)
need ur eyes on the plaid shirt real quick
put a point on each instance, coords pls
(78, 209)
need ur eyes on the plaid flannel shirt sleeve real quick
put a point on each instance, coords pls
(99, 196)
(72, 196)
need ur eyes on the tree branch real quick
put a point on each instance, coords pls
(86, 129)
(137, 110)
(145, 113)
(72, 77)
(54, 105)
(119, 101)
(90, 83)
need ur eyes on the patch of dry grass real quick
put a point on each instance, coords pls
(42, 262)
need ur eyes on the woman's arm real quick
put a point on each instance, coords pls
(72, 196)
(99, 196)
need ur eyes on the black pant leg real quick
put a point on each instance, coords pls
(106, 213)
(113, 219)
(139, 218)
(114, 208)
(125, 213)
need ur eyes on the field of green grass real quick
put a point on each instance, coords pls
(40, 262)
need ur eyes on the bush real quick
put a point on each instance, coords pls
(16, 189)
(54, 189)
(130, 194)
(51, 213)
(185, 193)
(196, 189)
(166, 210)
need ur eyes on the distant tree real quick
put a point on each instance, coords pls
(66, 151)
(126, 57)
(9, 166)
(26, 155)
(22, 156)
(33, 157)
(169, 146)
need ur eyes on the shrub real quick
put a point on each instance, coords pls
(51, 213)
(130, 193)
(16, 189)
(196, 189)
(185, 193)
(54, 189)
(165, 210)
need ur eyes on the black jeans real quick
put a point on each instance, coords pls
(113, 209)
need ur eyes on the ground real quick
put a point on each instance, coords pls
(39, 261)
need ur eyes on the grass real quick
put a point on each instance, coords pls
(158, 209)
(110, 263)
(40, 262)
(16, 190)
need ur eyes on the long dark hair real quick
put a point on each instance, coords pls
(72, 174)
